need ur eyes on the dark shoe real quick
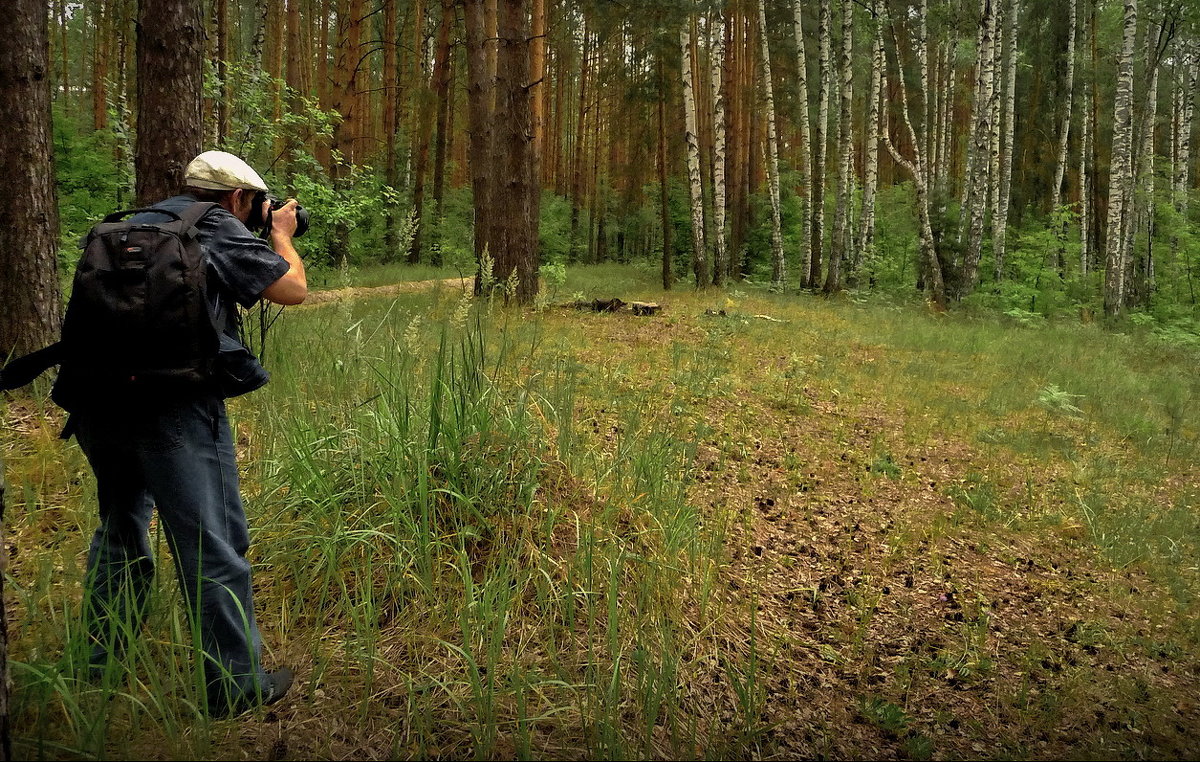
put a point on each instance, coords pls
(275, 686)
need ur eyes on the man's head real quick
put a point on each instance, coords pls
(224, 178)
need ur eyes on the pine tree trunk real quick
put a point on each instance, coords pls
(668, 253)
(695, 183)
(479, 119)
(537, 73)
(720, 240)
(1085, 189)
(516, 196)
(804, 148)
(979, 180)
(577, 153)
(820, 141)
(429, 105)
(445, 128)
(840, 250)
(170, 53)
(29, 288)
(1120, 177)
(1000, 220)
(778, 263)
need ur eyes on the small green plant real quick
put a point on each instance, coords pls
(1055, 400)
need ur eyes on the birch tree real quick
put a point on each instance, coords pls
(915, 166)
(1121, 173)
(695, 182)
(720, 240)
(820, 139)
(1064, 129)
(805, 139)
(778, 264)
(866, 236)
(840, 243)
(1004, 184)
(982, 148)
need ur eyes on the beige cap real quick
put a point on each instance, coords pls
(217, 170)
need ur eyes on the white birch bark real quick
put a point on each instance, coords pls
(695, 182)
(916, 169)
(1000, 219)
(866, 236)
(1183, 160)
(999, 46)
(778, 263)
(1064, 129)
(1119, 182)
(947, 142)
(820, 141)
(977, 201)
(840, 251)
(720, 245)
(805, 147)
(972, 157)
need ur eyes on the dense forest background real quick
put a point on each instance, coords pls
(1031, 155)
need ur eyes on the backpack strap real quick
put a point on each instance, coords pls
(117, 216)
(24, 370)
(192, 216)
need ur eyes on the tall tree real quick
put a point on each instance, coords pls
(692, 139)
(1122, 160)
(29, 288)
(170, 78)
(480, 123)
(977, 199)
(720, 232)
(841, 241)
(804, 147)
(1005, 148)
(866, 235)
(820, 140)
(1064, 128)
(915, 167)
(778, 263)
(513, 216)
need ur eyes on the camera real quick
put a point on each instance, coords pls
(258, 222)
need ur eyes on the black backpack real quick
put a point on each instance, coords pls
(138, 324)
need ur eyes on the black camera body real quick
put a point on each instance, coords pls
(257, 220)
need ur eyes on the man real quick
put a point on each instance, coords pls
(177, 454)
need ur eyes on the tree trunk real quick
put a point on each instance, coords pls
(932, 268)
(804, 149)
(1004, 183)
(840, 250)
(479, 124)
(720, 240)
(577, 153)
(514, 222)
(820, 139)
(982, 149)
(429, 106)
(445, 128)
(778, 263)
(866, 237)
(668, 254)
(170, 55)
(537, 73)
(100, 57)
(695, 184)
(29, 288)
(1120, 178)
(1064, 130)
(1085, 189)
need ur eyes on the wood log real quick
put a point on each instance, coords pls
(646, 308)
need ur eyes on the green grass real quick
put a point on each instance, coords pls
(483, 533)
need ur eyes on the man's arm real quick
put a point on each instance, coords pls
(292, 287)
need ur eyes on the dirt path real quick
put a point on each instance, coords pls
(409, 287)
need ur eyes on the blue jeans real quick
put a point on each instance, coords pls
(177, 456)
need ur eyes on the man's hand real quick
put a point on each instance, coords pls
(283, 219)
(292, 288)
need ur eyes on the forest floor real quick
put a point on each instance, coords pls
(896, 535)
